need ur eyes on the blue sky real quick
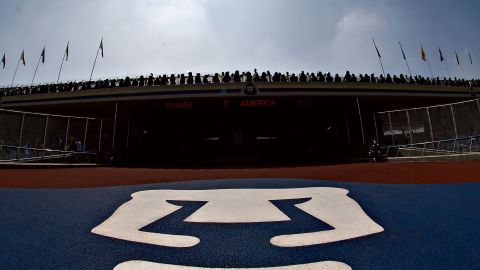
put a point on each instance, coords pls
(173, 36)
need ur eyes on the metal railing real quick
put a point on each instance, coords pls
(27, 154)
(463, 145)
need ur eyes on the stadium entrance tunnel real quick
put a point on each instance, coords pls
(232, 129)
(238, 130)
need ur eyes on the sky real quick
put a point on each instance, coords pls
(208, 36)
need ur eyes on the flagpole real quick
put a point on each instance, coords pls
(463, 71)
(405, 58)
(61, 65)
(379, 58)
(471, 63)
(15, 74)
(35, 73)
(460, 64)
(93, 68)
(430, 68)
(448, 70)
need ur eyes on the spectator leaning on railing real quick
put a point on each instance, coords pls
(235, 77)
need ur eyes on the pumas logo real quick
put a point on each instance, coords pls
(250, 89)
(239, 206)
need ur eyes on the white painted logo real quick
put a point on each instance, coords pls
(330, 205)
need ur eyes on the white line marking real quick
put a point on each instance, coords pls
(331, 205)
(142, 265)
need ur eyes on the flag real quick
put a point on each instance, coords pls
(43, 56)
(101, 47)
(470, 56)
(66, 52)
(22, 57)
(458, 60)
(403, 53)
(424, 55)
(378, 52)
(441, 55)
(3, 61)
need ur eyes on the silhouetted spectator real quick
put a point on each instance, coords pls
(264, 77)
(337, 78)
(226, 78)
(127, 82)
(276, 77)
(347, 77)
(411, 80)
(256, 78)
(395, 79)
(150, 80)
(354, 78)
(198, 79)
(205, 78)
(321, 77)
(236, 77)
(173, 80)
(182, 78)
(164, 80)
(389, 78)
(157, 81)
(381, 79)
(249, 77)
(375, 152)
(329, 78)
(303, 77)
(293, 78)
(216, 78)
(190, 79)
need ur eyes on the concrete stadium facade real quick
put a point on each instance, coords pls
(263, 120)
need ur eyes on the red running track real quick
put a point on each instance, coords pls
(389, 173)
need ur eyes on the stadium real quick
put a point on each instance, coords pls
(214, 135)
(242, 118)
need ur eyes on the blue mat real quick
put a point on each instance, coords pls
(426, 227)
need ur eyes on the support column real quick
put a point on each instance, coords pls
(348, 128)
(20, 135)
(45, 133)
(114, 125)
(361, 122)
(409, 127)
(455, 127)
(430, 123)
(100, 136)
(376, 128)
(391, 128)
(85, 137)
(128, 129)
(66, 135)
(478, 106)
(454, 121)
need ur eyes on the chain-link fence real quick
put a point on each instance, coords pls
(449, 128)
(34, 136)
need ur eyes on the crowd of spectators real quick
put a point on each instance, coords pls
(235, 77)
